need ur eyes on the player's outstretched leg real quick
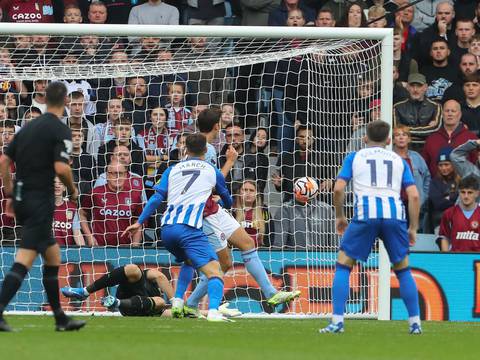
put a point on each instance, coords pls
(115, 277)
(244, 242)
(409, 294)
(340, 289)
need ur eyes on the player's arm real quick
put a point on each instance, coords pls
(413, 206)
(343, 178)
(413, 198)
(222, 191)
(162, 282)
(338, 199)
(231, 156)
(161, 190)
(459, 157)
(137, 238)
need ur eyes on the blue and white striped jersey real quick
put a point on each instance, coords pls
(186, 186)
(378, 176)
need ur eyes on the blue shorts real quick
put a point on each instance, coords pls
(360, 236)
(188, 243)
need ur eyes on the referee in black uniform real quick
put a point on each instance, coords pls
(40, 151)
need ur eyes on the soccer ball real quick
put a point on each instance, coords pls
(305, 188)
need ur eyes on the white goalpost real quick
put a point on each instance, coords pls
(275, 80)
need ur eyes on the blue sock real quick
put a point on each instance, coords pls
(408, 291)
(255, 268)
(200, 291)
(340, 289)
(184, 279)
(215, 292)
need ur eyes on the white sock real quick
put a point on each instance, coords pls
(337, 319)
(85, 291)
(414, 320)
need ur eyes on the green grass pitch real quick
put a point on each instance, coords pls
(162, 338)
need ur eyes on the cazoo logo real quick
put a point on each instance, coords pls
(62, 225)
(115, 212)
(27, 16)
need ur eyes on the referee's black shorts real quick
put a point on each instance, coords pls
(35, 213)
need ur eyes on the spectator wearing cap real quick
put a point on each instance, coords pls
(420, 114)
(471, 105)
(421, 175)
(443, 190)
(452, 134)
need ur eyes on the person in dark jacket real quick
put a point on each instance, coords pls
(421, 115)
(442, 73)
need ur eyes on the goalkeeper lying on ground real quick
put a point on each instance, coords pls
(139, 293)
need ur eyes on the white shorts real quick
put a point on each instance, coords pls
(219, 227)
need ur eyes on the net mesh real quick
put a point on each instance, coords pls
(298, 106)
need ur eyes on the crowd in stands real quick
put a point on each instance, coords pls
(127, 130)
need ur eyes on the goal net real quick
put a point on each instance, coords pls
(293, 102)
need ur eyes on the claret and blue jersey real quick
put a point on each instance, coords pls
(378, 176)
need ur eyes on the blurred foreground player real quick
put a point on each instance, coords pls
(40, 151)
(378, 176)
